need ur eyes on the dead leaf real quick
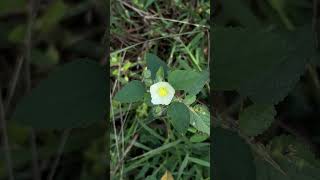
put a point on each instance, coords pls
(167, 176)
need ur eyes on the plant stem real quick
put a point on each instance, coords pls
(13, 84)
(5, 139)
(63, 141)
(28, 47)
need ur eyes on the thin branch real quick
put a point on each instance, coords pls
(154, 39)
(147, 15)
(125, 153)
(13, 83)
(63, 142)
(5, 139)
(176, 21)
(140, 12)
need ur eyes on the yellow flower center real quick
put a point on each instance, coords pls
(162, 91)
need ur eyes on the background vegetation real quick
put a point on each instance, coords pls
(38, 37)
(265, 84)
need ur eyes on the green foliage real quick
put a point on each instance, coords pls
(79, 86)
(154, 63)
(52, 16)
(190, 81)
(264, 65)
(132, 92)
(179, 116)
(232, 157)
(189, 99)
(200, 118)
(51, 55)
(266, 172)
(66, 92)
(256, 118)
(198, 138)
(160, 75)
(7, 6)
(259, 60)
(240, 11)
(300, 154)
(295, 159)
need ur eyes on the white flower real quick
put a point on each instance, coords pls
(161, 93)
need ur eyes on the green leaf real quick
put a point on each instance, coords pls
(255, 119)
(295, 159)
(154, 63)
(146, 74)
(44, 59)
(8, 6)
(199, 161)
(198, 138)
(286, 146)
(200, 118)
(267, 172)
(160, 75)
(52, 16)
(188, 80)
(147, 99)
(132, 92)
(183, 166)
(238, 11)
(231, 156)
(72, 96)
(189, 99)
(263, 65)
(148, 3)
(17, 34)
(179, 116)
(280, 6)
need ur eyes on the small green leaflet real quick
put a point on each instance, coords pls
(160, 75)
(179, 116)
(132, 92)
(255, 119)
(189, 99)
(188, 80)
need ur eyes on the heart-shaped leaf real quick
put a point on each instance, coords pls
(72, 96)
(131, 92)
(179, 116)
